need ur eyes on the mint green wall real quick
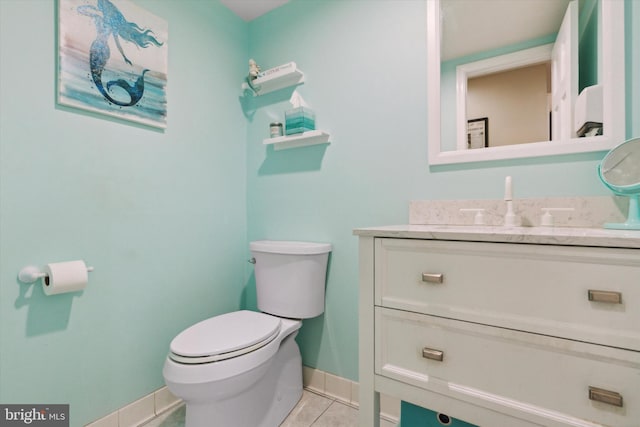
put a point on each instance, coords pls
(365, 71)
(160, 215)
(588, 45)
(165, 217)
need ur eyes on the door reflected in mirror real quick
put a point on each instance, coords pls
(521, 65)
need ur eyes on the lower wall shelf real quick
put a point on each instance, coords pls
(298, 140)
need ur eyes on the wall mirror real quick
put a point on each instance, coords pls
(568, 53)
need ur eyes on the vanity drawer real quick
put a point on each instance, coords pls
(587, 294)
(537, 378)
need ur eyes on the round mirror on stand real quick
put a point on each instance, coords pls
(620, 171)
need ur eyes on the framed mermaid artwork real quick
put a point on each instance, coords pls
(113, 60)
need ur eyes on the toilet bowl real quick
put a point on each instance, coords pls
(243, 369)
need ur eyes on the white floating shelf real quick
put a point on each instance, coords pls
(312, 137)
(277, 78)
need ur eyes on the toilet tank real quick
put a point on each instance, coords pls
(290, 277)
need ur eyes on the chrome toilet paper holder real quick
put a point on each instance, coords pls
(31, 274)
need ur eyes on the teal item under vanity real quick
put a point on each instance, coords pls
(416, 416)
(298, 120)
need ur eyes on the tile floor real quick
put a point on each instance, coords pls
(313, 410)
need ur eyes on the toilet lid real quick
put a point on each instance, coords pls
(225, 336)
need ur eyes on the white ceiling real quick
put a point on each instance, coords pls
(471, 26)
(251, 9)
(466, 22)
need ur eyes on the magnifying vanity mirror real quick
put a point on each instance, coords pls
(513, 79)
(620, 171)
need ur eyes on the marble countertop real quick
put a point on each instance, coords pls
(570, 236)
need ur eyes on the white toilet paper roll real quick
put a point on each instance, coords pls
(65, 277)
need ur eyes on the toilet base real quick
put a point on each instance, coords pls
(266, 403)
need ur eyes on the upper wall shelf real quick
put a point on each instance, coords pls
(277, 78)
(312, 137)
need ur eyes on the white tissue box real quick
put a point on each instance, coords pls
(588, 112)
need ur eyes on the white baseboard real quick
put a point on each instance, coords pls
(317, 381)
(346, 391)
(140, 411)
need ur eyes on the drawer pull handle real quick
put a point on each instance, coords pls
(432, 277)
(605, 396)
(433, 354)
(605, 296)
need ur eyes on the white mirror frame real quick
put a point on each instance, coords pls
(611, 75)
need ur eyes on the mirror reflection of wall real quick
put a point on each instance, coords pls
(518, 112)
(516, 102)
(472, 38)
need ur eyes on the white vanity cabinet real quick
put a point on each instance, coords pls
(498, 333)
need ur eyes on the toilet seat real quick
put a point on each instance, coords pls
(223, 337)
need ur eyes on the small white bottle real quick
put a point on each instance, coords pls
(275, 130)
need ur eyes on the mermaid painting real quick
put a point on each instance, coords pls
(120, 81)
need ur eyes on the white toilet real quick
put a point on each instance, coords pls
(243, 369)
